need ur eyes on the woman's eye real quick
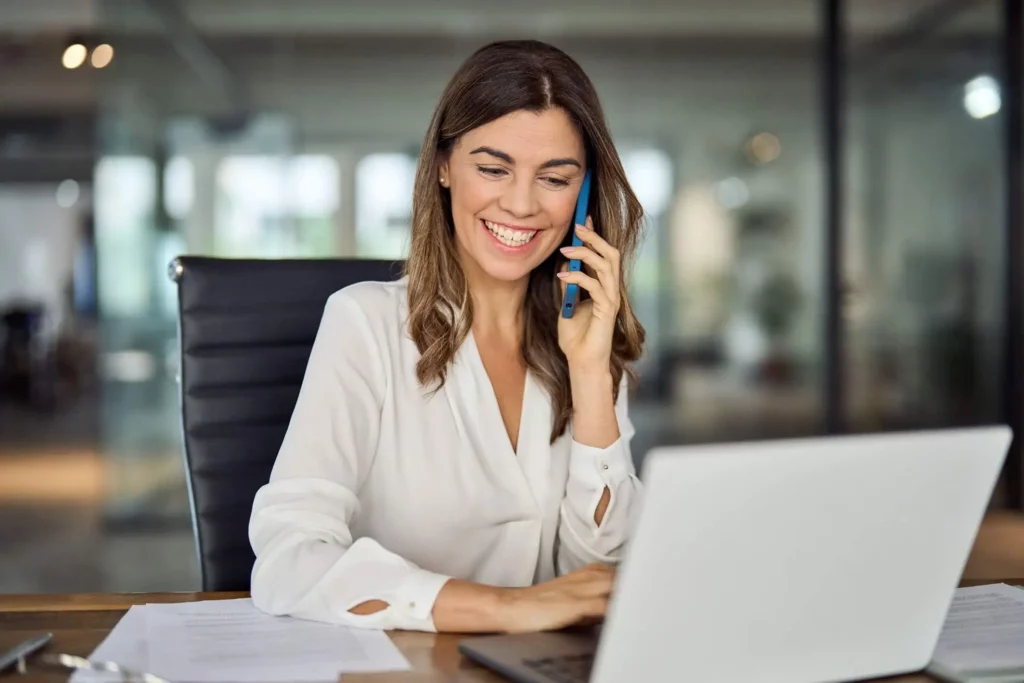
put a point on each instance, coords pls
(557, 182)
(491, 171)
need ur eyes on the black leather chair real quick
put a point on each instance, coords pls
(246, 328)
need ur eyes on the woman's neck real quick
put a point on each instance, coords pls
(497, 304)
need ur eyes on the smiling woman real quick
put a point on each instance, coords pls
(502, 166)
(509, 143)
(459, 459)
(519, 208)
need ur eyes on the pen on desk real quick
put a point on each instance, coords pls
(23, 650)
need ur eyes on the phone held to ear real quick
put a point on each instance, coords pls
(582, 201)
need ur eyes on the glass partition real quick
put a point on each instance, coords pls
(925, 242)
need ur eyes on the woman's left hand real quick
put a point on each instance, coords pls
(586, 337)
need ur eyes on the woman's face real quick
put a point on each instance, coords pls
(513, 185)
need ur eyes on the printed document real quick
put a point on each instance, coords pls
(231, 640)
(124, 645)
(983, 636)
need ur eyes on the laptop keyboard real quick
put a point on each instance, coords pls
(563, 669)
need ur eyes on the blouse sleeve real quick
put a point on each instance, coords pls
(581, 540)
(307, 563)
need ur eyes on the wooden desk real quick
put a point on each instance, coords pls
(80, 622)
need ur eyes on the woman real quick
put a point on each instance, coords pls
(458, 457)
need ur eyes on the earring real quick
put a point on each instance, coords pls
(444, 181)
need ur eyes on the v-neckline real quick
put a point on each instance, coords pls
(527, 465)
(495, 407)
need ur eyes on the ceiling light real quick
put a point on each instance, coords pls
(67, 194)
(764, 148)
(74, 56)
(732, 193)
(102, 56)
(981, 97)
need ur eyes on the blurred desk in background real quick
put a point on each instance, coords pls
(80, 622)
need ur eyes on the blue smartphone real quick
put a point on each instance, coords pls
(582, 201)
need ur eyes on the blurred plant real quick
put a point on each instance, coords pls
(777, 304)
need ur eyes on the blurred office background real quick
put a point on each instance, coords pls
(829, 198)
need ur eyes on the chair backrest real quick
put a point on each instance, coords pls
(246, 328)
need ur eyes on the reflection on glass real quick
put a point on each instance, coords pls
(384, 185)
(314, 198)
(276, 207)
(738, 349)
(924, 257)
(179, 187)
(251, 211)
(125, 196)
(650, 174)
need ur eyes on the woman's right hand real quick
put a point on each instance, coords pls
(578, 597)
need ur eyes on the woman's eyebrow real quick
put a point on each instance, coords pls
(507, 158)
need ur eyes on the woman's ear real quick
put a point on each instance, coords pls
(442, 175)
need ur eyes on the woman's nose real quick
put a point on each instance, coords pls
(519, 199)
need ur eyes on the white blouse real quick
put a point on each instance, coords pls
(382, 491)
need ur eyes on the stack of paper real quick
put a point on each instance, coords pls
(982, 639)
(231, 640)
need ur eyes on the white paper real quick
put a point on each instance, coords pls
(984, 630)
(124, 645)
(231, 640)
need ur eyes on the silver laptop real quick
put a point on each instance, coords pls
(795, 561)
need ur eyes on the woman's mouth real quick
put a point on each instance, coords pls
(509, 237)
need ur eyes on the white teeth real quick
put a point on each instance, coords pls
(508, 236)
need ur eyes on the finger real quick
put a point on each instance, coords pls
(589, 236)
(564, 268)
(595, 608)
(601, 267)
(593, 287)
(590, 257)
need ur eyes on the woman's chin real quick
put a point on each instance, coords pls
(506, 271)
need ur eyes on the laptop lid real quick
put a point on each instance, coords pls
(798, 560)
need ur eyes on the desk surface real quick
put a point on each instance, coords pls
(80, 622)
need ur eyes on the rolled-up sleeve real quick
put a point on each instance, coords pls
(581, 540)
(307, 563)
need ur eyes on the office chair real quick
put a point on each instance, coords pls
(246, 328)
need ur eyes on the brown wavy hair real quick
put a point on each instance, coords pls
(499, 79)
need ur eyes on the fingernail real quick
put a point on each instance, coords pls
(566, 250)
(563, 275)
(582, 228)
